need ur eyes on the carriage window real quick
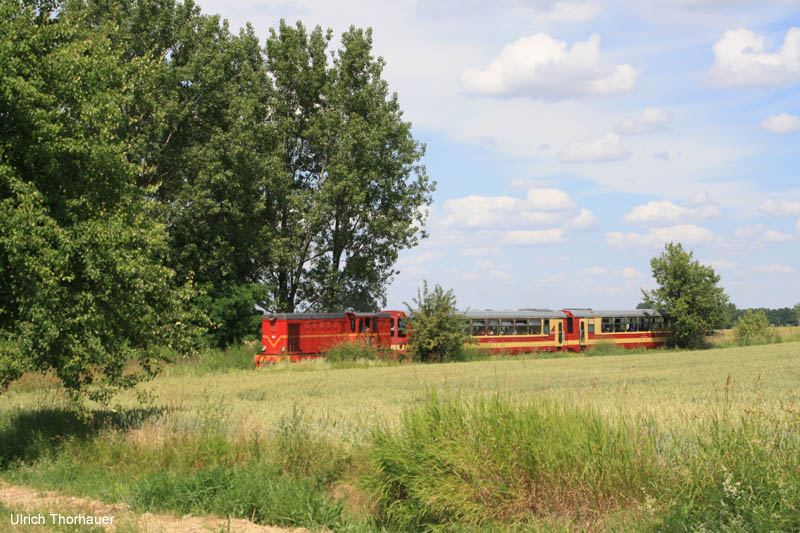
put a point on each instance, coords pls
(658, 323)
(631, 324)
(619, 325)
(401, 327)
(507, 327)
(591, 327)
(642, 325)
(492, 326)
(465, 326)
(607, 325)
(521, 325)
(535, 326)
(478, 327)
(547, 326)
(391, 327)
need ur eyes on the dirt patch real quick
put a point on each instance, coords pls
(32, 500)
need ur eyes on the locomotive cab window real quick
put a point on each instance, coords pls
(352, 324)
(569, 325)
(401, 327)
(391, 327)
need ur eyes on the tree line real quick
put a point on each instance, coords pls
(160, 174)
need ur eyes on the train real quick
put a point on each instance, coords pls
(300, 336)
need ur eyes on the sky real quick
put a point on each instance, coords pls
(570, 140)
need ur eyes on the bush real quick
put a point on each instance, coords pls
(352, 351)
(753, 328)
(437, 330)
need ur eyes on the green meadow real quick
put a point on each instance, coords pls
(651, 441)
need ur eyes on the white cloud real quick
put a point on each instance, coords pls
(760, 234)
(480, 251)
(652, 119)
(584, 220)
(772, 235)
(750, 231)
(722, 263)
(683, 233)
(608, 148)
(593, 271)
(540, 66)
(781, 124)
(420, 258)
(666, 211)
(544, 236)
(478, 211)
(539, 207)
(741, 60)
(560, 11)
(549, 199)
(775, 268)
(780, 208)
(631, 273)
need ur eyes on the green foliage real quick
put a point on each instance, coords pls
(83, 284)
(496, 461)
(796, 314)
(437, 330)
(230, 307)
(254, 492)
(688, 294)
(753, 328)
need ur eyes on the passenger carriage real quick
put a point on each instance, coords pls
(522, 331)
(530, 330)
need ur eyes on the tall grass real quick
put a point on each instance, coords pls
(354, 351)
(494, 460)
(741, 477)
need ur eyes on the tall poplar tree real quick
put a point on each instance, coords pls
(351, 184)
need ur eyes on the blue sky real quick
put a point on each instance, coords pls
(571, 139)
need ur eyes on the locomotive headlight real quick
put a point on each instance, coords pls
(263, 348)
(283, 348)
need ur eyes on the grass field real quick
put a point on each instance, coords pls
(316, 444)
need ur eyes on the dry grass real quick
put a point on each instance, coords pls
(674, 389)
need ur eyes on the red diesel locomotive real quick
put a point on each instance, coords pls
(297, 336)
